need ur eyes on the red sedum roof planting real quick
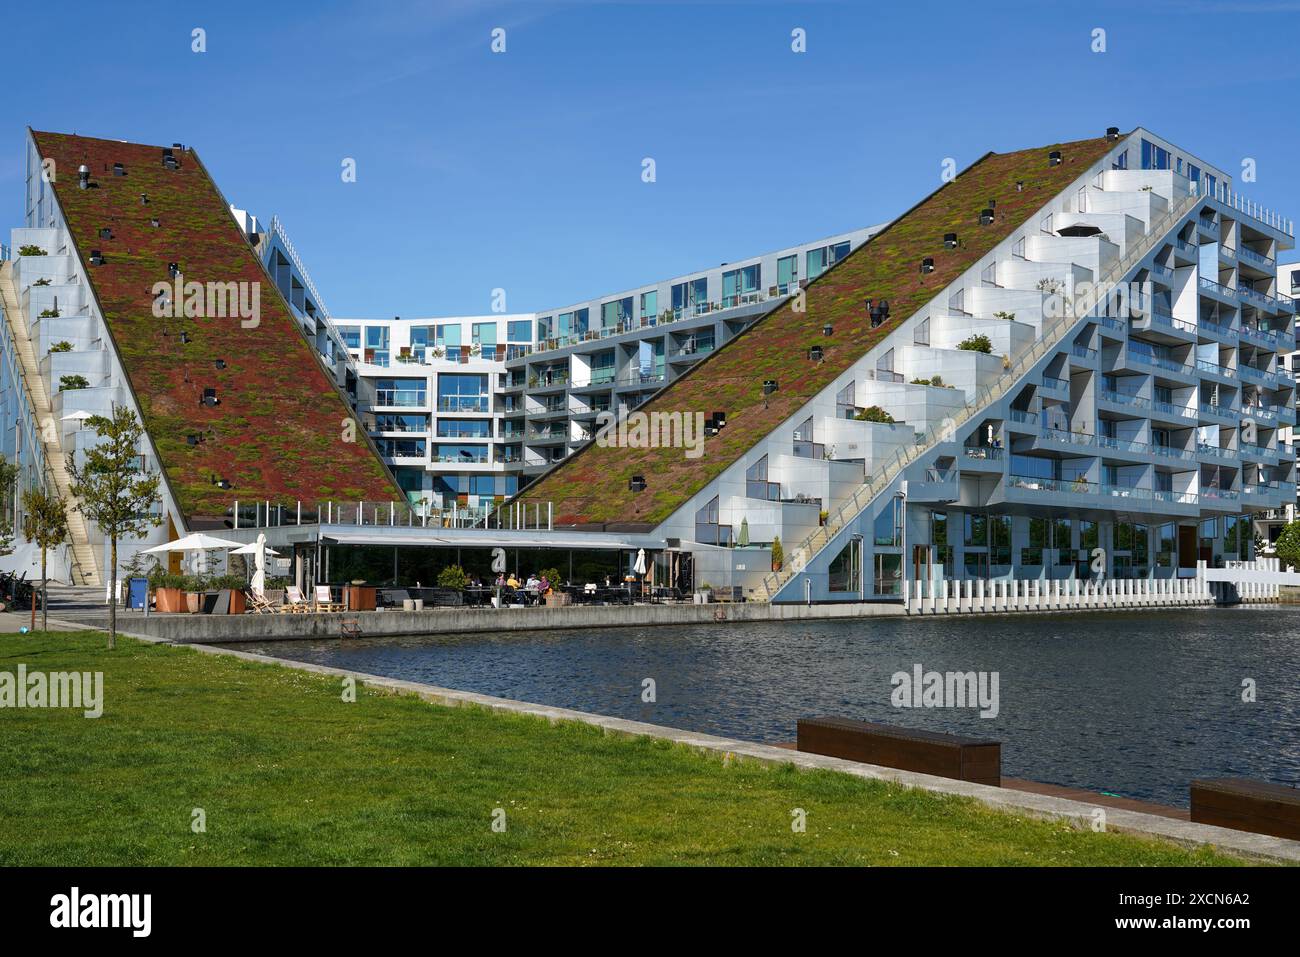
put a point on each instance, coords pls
(592, 485)
(278, 430)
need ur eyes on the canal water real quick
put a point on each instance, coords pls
(1135, 704)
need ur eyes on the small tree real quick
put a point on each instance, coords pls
(67, 383)
(874, 413)
(113, 493)
(778, 554)
(47, 526)
(1287, 545)
(453, 576)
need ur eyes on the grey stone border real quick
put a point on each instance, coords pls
(1260, 847)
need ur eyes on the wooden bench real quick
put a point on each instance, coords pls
(927, 752)
(1246, 805)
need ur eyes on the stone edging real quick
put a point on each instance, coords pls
(1078, 813)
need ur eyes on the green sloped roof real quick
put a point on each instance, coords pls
(591, 486)
(279, 431)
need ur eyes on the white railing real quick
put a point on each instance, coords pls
(1231, 198)
(277, 229)
(1052, 335)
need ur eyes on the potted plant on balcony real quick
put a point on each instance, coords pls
(778, 554)
(62, 345)
(68, 383)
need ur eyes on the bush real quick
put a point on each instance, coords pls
(453, 576)
(69, 382)
(31, 251)
(49, 314)
(61, 346)
(1287, 545)
(552, 575)
(233, 582)
(976, 343)
(874, 413)
(1008, 316)
(778, 554)
(41, 282)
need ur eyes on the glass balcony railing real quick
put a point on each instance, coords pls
(1213, 368)
(1070, 438)
(464, 403)
(1126, 491)
(1033, 483)
(1024, 417)
(1124, 398)
(401, 397)
(1172, 497)
(1256, 259)
(1055, 384)
(1178, 411)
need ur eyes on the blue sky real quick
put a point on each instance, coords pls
(522, 170)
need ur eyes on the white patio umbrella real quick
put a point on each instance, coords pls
(195, 542)
(259, 551)
(639, 565)
(80, 415)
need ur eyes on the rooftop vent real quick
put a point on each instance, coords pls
(993, 203)
(220, 482)
(828, 330)
(986, 217)
(1020, 186)
(636, 483)
(1112, 132)
(949, 240)
(1054, 158)
(169, 160)
(219, 363)
(193, 438)
(210, 397)
(769, 386)
(144, 199)
(173, 269)
(816, 354)
(720, 419)
(83, 176)
(106, 233)
(927, 265)
(185, 338)
(119, 169)
(154, 223)
(96, 257)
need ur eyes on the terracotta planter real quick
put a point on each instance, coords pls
(193, 602)
(238, 603)
(170, 600)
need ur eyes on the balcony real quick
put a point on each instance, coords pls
(1122, 445)
(1170, 497)
(1258, 260)
(1064, 437)
(1127, 492)
(1213, 368)
(1053, 384)
(1125, 399)
(1169, 410)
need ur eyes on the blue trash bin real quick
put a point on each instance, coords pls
(137, 592)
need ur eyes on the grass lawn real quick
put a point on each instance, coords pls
(288, 773)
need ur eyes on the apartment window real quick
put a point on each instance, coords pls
(462, 393)
(615, 312)
(1000, 540)
(1236, 535)
(757, 485)
(737, 284)
(401, 392)
(707, 528)
(889, 574)
(351, 336)
(377, 345)
(464, 454)
(448, 338)
(396, 422)
(650, 304)
(922, 334)
(1193, 173)
(820, 260)
(690, 297)
(787, 274)
(1166, 545)
(1062, 540)
(545, 328)
(519, 330)
(1040, 533)
(888, 528)
(1153, 156)
(976, 530)
(939, 538)
(845, 570)
(401, 448)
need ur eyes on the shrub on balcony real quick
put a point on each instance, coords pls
(49, 314)
(41, 282)
(68, 383)
(977, 343)
(874, 413)
(934, 380)
(30, 250)
(63, 345)
(1007, 316)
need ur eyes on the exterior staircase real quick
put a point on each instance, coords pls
(82, 555)
(843, 513)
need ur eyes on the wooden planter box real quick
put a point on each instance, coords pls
(169, 600)
(359, 597)
(927, 752)
(1246, 805)
(559, 598)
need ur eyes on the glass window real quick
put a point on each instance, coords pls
(888, 530)
(519, 330)
(462, 393)
(977, 529)
(787, 273)
(845, 571)
(464, 429)
(1166, 545)
(650, 304)
(351, 336)
(690, 297)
